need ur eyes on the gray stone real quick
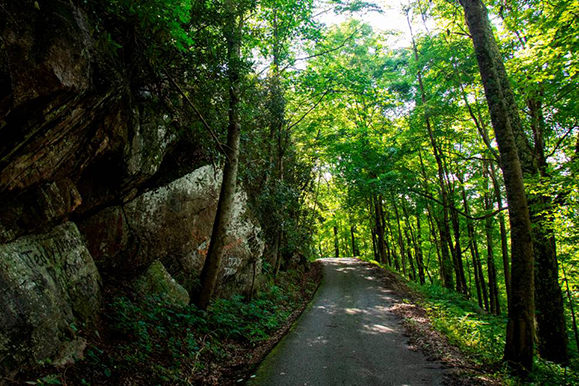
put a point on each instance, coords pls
(49, 288)
(157, 281)
(173, 224)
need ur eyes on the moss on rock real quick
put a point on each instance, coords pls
(157, 281)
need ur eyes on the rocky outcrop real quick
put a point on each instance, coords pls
(85, 141)
(157, 281)
(67, 120)
(173, 224)
(49, 288)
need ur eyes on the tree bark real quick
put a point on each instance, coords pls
(354, 247)
(503, 228)
(457, 250)
(551, 327)
(379, 229)
(336, 242)
(520, 326)
(492, 272)
(400, 239)
(445, 238)
(479, 279)
(223, 215)
(418, 243)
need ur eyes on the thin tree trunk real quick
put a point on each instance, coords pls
(478, 276)
(411, 240)
(336, 242)
(503, 228)
(379, 229)
(477, 281)
(457, 251)
(394, 254)
(376, 255)
(280, 257)
(520, 326)
(400, 239)
(354, 248)
(492, 272)
(212, 264)
(346, 243)
(444, 225)
(431, 222)
(418, 243)
(409, 253)
(571, 308)
(388, 251)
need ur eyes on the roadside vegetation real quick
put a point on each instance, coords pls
(147, 341)
(478, 335)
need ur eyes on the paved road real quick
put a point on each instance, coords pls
(347, 337)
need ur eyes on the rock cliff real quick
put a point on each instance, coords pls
(91, 188)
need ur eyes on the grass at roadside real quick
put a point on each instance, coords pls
(147, 341)
(479, 336)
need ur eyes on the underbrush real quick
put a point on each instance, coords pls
(147, 341)
(481, 336)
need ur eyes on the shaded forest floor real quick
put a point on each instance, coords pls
(149, 342)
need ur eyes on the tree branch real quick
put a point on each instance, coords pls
(309, 111)
(209, 129)
(483, 217)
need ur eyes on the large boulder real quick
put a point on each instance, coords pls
(157, 281)
(49, 287)
(173, 224)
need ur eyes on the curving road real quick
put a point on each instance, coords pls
(347, 337)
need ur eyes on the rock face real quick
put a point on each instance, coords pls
(67, 120)
(85, 142)
(173, 224)
(49, 287)
(157, 281)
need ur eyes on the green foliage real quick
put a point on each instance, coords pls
(163, 344)
(482, 336)
(47, 380)
(166, 20)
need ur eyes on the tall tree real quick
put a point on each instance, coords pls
(520, 326)
(234, 16)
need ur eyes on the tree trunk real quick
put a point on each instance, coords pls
(520, 327)
(336, 242)
(400, 239)
(409, 252)
(346, 243)
(479, 279)
(444, 227)
(394, 254)
(492, 272)
(217, 244)
(571, 308)
(457, 251)
(551, 327)
(379, 229)
(443, 259)
(418, 242)
(355, 251)
(503, 228)
(374, 249)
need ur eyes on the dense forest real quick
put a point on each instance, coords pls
(447, 152)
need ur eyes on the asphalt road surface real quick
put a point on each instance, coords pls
(347, 336)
